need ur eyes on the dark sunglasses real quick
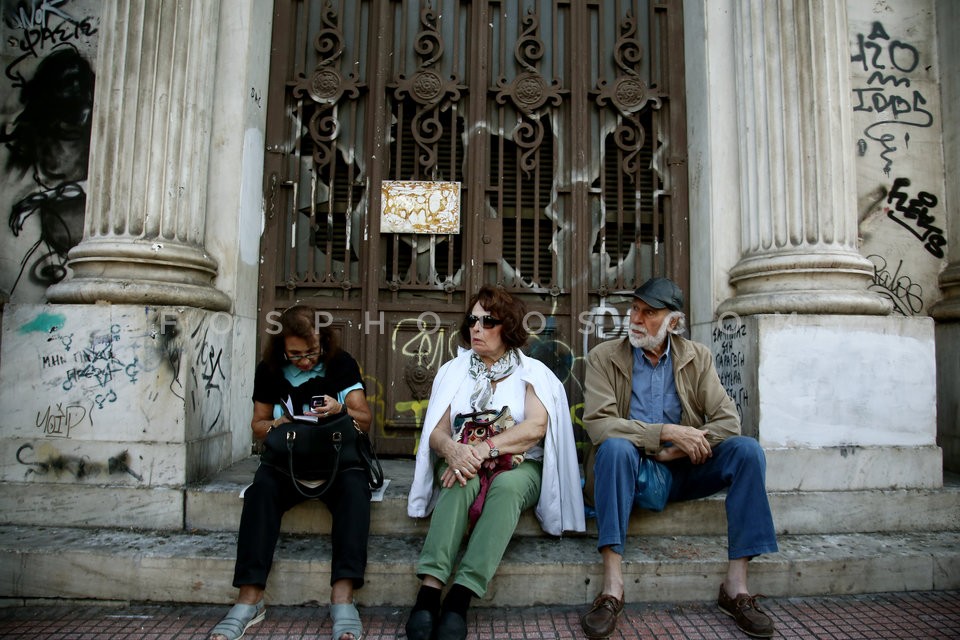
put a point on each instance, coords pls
(487, 322)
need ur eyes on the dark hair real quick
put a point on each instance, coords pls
(300, 321)
(502, 306)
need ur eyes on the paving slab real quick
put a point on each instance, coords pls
(929, 615)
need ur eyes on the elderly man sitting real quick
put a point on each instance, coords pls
(659, 419)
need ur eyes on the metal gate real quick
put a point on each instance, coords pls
(562, 120)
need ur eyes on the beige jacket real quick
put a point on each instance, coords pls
(606, 399)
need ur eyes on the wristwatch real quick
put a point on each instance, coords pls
(494, 452)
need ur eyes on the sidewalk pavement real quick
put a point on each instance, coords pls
(913, 615)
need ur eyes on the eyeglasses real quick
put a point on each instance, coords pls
(487, 322)
(304, 356)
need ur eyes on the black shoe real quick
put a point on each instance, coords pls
(420, 625)
(452, 626)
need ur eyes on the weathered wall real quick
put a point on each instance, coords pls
(114, 398)
(894, 71)
(48, 54)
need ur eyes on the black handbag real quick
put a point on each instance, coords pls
(313, 451)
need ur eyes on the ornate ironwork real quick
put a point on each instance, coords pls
(628, 94)
(429, 89)
(326, 86)
(529, 91)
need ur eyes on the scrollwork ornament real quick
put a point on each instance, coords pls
(324, 129)
(529, 48)
(628, 93)
(528, 136)
(630, 138)
(329, 40)
(429, 43)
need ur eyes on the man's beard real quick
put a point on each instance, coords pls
(646, 341)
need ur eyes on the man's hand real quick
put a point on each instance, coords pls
(669, 453)
(689, 440)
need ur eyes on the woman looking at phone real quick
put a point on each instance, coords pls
(302, 365)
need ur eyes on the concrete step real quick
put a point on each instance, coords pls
(215, 506)
(197, 567)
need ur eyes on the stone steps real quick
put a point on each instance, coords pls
(841, 542)
(215, 506)
(197, 567)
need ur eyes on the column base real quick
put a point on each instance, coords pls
(846, 402)
(814, 283)
(124, 272)
(948, 308)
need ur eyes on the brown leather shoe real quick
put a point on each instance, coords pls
(601, 621)
(745, 610)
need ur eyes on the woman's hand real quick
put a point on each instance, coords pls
(460, 457)
(263, 420)
(464, 461)
(327, 407)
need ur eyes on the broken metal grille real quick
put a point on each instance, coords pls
(562, 121)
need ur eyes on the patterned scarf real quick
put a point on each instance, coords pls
(484, 377)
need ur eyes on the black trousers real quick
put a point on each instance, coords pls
(272, 494)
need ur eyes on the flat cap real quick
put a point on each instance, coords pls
(660, 293)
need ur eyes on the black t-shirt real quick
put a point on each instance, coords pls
(342, 372)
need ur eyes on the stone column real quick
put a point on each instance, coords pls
(798, 212)
(801, 317)
(144, 228)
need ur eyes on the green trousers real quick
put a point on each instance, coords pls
(510, 494)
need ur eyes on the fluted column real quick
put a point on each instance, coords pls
(798, 207)
(145, 220)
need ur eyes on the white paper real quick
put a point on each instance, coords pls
(377, 494)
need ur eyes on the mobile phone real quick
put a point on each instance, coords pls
(317, 402)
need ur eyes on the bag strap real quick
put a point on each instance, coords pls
(291, 438)
(371, 461)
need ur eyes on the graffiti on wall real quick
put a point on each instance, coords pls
(202, 385)
(48, 139)
(49, 460)
(888, 93)
(896, 275)
(729, 352)
(892, 282)
(913, 214)
(89, 369)
(208, 378)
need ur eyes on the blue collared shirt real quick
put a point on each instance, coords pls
(654, 396)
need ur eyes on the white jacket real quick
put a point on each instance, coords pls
(560, 507)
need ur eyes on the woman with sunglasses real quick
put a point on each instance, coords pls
(301, 362)
(477, 488)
